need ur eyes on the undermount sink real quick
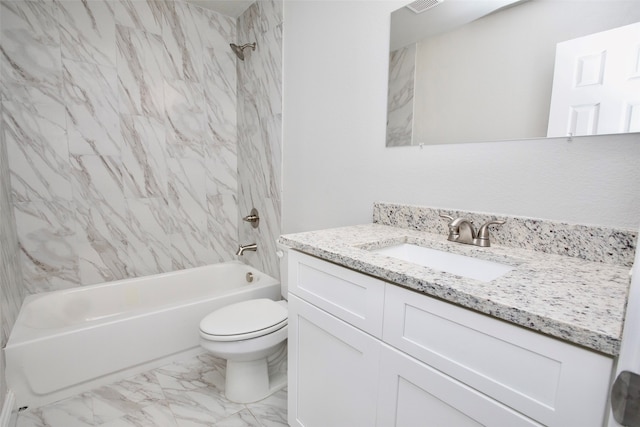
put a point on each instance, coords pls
(461, 265)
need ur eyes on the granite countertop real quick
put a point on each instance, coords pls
(582, 302)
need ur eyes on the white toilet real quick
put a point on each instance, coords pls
(247, 334)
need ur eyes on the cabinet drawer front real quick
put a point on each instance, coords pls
(356, 298)
(548, 380)
(414, 394)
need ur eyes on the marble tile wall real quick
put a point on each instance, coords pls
(11, 286)
(120, 123)
(402, 68)
(260, 128)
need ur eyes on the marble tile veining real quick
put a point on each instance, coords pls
(36, 139)
(183, 41)
(184, 120)
(47, 238)
(141, 15)
(148, 245)
(90, 95)
(402, 64)
(87, 31)
(187, 393)
(579, 301)
(11, 279)
(31, 64)
(140, 76)
(144, 157)
(259, 150)
(116, 108)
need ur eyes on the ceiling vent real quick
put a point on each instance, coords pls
(420, 6)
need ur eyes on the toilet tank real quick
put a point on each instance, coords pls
(283, 256)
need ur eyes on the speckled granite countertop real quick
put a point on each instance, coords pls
(578, 301)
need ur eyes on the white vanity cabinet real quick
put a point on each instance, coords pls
(364, 352)
(333, 363)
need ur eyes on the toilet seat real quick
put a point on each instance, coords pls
(244, 320)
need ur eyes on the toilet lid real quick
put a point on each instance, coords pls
(244, 320)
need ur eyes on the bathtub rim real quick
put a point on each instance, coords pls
(22, 334)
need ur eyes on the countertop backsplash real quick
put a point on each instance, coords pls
(590, 243)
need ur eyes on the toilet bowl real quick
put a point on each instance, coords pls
(247, 334)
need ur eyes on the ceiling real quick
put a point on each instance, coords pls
(232, 8)
(408, 27)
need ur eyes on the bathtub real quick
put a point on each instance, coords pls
(70, 341)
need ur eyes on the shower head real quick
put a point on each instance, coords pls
(238, 50)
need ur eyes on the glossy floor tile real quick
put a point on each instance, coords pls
(182, 394)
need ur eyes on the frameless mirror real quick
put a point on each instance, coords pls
(492, 70)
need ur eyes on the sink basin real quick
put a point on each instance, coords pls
(461, 265)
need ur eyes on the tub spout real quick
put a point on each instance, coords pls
(242, 248)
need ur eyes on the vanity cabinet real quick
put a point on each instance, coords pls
(335, 326)
(364, 352)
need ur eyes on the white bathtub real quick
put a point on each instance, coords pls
(67, 342)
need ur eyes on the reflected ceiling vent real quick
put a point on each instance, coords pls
(420, 6)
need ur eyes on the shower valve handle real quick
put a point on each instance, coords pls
(253, 218)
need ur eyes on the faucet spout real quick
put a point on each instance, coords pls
(462, 230)
(250, 247)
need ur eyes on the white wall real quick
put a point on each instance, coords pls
(336, 164)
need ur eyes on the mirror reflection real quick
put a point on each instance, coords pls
(465, 71)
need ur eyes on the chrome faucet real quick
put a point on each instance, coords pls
(250, 247)
(461, 230)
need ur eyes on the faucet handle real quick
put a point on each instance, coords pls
(253, 218)
(482, 238)
(452, 234)
(450, 218)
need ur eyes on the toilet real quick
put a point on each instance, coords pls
(247, 334)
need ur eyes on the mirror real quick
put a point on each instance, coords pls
(483, 70)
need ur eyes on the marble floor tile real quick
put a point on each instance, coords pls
(188, 393)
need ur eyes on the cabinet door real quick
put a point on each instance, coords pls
(333, 370)
(414, 394)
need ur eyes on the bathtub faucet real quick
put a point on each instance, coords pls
(243, 248)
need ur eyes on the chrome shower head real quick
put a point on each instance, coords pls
(238, 50)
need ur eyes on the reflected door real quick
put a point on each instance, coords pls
(596, 84)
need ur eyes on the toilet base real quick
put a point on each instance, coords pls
(249, 381)
(249, 363)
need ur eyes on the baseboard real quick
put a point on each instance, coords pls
(7, 409)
